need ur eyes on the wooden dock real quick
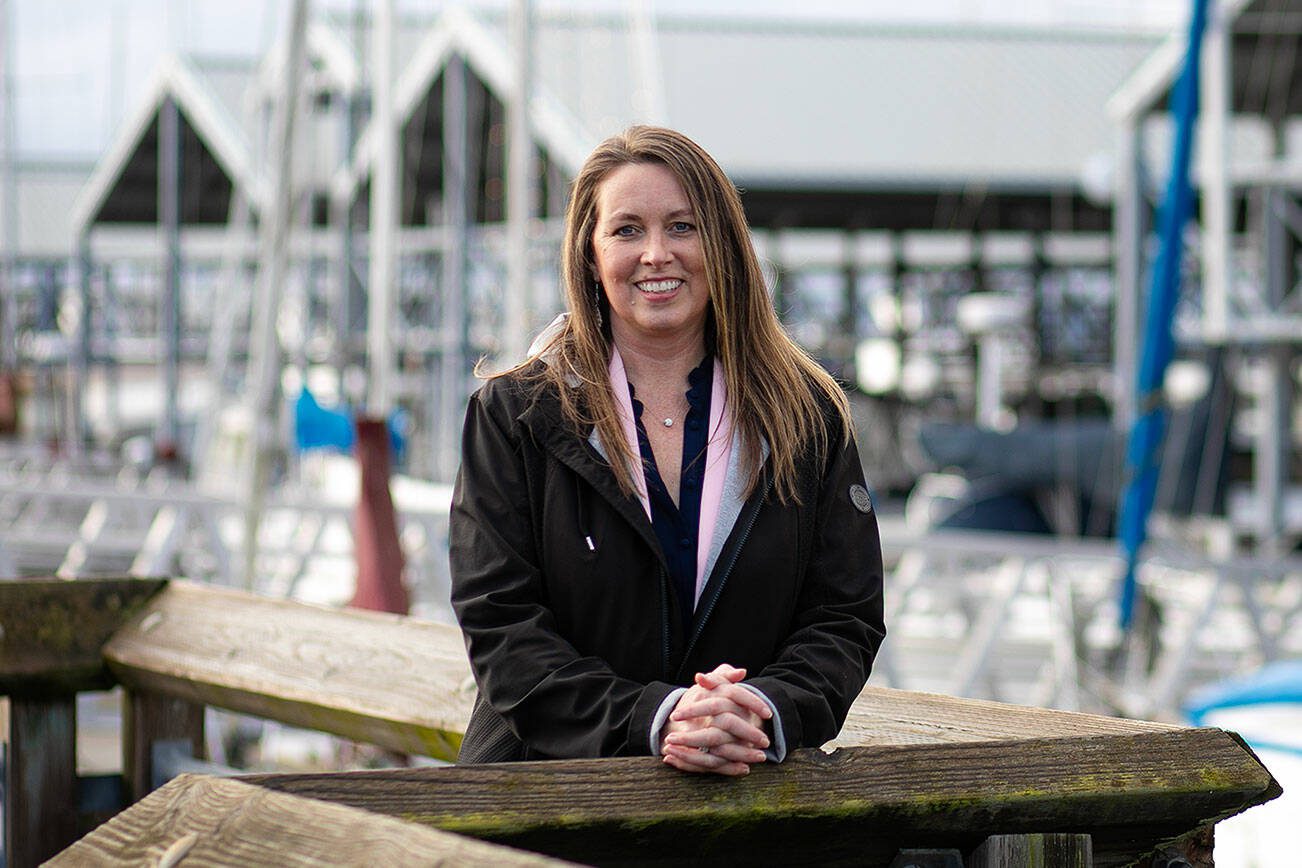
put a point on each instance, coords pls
(908, 772)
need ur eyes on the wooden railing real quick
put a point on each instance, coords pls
(908, 770)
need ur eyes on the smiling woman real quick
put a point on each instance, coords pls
(648, 258)
(706, 588)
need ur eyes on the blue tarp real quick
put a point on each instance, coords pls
(317, 427)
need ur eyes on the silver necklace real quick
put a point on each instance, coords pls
(667, 421)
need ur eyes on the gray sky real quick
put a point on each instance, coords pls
(78, 65)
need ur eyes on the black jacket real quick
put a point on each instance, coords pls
(574, 645)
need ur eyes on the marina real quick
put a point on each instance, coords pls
(965, 220)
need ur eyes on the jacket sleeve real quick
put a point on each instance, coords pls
(837, 625)
(557, 702)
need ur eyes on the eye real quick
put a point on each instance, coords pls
(681, 226)
(624, 231)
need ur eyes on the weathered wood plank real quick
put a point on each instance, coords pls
(52, 631)
(147, 719)
(40, 778)
(200, 820)
(882, 716)
(1129, 792)
(406, 685)
(391, 681)
(1039, 850)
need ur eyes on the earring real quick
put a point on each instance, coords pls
(596, 297)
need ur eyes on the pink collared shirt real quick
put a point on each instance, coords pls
(717, 453)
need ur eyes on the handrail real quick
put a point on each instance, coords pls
(854, 806)
(908, 767)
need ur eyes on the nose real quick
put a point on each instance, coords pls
(657, 251)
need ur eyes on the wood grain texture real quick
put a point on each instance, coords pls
(391, 681)
(882, 716)
(1040, 850)
(40, 801)
(406, 685)
(1129, 792)
(52, 631)
(199, 820)
(148, 718)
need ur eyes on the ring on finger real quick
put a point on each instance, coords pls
(704, 748)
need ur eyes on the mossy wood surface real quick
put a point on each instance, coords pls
(391, 681)
(200, 820)
(1129, 792)
(52, 631)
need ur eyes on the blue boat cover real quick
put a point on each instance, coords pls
(1278, 683)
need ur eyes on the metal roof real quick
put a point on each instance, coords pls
(45, 193)
(1005, 118)
(858, 105)
(124, 186)
(222, 102)
(784, 107)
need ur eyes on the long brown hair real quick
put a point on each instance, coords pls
(776, 392)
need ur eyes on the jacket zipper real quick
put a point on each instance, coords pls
(664, 622)
(723, 580)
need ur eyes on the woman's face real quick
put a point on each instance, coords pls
(647, 254)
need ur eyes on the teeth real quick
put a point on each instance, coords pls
(659, 285)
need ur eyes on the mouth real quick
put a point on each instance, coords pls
(659, 287)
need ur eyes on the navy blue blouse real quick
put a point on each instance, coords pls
(678, 527)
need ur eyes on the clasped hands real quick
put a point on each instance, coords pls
(717, 726)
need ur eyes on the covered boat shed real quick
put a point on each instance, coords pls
(908, 165)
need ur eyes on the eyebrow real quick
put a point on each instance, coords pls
(628, 215)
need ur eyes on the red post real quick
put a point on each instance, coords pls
(375, 532)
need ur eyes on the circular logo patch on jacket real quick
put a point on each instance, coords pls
(860, 498)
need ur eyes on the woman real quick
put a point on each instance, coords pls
(660, 538)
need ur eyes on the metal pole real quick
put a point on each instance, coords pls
(77, 431)
(8, 201)
(1128, 231)
(456, 219)
(848, 339)
(989, 379)
(169, 227)
(264, 351)
(384, 214)
(1217, 207)
(342, 217)
(112, 366)
(649, 96)
(1275, 401)
(519, 185)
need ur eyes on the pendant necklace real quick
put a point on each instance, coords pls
(668, 421)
